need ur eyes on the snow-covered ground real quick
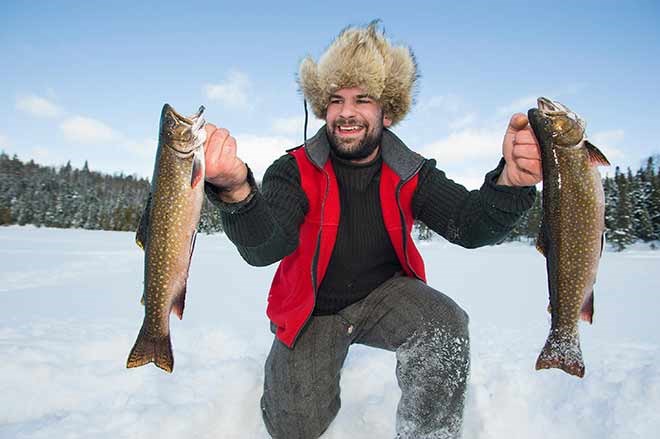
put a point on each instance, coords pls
(71, 312)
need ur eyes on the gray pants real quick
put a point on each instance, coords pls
(427, 330)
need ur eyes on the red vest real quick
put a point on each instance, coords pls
(293, 291)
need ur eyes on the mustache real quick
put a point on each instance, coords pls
(351, 121)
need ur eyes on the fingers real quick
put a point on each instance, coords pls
(228, 150)
(529, 166)
(525, 151)
(526, 136)
(217, 142)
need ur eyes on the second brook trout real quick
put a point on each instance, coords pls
(571, 233)
(167, 233)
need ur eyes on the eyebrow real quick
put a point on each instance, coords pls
(362, 96)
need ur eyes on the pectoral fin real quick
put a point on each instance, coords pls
(197, 170)
(142, 232)
(596, 157)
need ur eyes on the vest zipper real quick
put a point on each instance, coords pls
(315, 258)
(404, 229)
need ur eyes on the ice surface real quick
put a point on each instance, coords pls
(70, 302)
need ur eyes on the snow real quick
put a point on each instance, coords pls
(71, 313)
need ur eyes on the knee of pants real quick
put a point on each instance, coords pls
(299, 423)
(449, 316)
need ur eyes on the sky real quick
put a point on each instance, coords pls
(87, 80)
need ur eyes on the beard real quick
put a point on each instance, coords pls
(355, 148)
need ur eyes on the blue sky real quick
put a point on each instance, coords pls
(86, 80)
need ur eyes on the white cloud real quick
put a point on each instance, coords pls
(609, 142)
(144, 148)
(520, 105)
(41, 155)
(82, 129)
(468, 144)
(462, 121)
(38, 106)
(449, 103)
(260, 151)
(233, 92)
(293, 126)
(471, 178)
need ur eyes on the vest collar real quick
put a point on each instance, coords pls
(396, 154)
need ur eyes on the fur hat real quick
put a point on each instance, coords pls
(361, 57)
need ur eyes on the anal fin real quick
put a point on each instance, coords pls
(179, 303)
(587, 310)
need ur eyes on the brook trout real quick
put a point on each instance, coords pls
(167, 232)
(571, 233)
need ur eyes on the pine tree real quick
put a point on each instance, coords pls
(621, 233)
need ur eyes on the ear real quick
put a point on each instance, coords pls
(387, 122)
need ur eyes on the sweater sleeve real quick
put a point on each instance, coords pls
(264, 227)
(469, 218)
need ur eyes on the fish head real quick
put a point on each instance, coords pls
(184, 134)
(555, 123)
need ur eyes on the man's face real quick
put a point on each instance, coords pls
(355, 123)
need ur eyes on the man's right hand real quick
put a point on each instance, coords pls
(223, 168)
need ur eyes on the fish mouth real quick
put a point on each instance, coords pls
(548, 106)
(193, 121)
(186, 133)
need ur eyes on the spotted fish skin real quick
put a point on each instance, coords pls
(167, 233)
(571, 234)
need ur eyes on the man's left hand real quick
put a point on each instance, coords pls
(522, 154)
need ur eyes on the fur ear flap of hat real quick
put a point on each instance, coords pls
(361, 57)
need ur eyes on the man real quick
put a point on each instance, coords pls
(338, 213)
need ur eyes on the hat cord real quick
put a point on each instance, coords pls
(305, 129)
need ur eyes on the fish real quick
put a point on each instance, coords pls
(571, 235)
(167, 232)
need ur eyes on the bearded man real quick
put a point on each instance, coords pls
(338, 213)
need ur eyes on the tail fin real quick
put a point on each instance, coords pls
(151, 350)
(563, 352)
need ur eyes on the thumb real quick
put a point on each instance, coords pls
(518, 122)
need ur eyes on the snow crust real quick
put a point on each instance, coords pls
(71, 312)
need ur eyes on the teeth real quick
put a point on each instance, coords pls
(351, 128)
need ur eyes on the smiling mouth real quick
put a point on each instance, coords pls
(349, 130)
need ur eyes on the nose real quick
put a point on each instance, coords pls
(347, 109)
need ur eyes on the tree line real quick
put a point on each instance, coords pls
(68, 197)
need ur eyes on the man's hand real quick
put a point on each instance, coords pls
(223, 167)
(522, 154)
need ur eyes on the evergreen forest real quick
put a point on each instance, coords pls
(77, 198)
(68, 197)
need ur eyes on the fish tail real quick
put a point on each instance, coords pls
(151, 350)
(562, 351)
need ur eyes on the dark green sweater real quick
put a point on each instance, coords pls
(264, 228)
